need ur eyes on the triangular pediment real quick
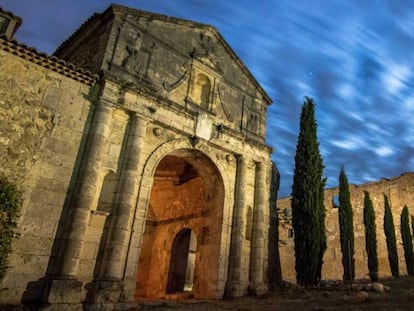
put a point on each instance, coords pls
(198, 41)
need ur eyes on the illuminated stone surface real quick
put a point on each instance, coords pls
(122, 172)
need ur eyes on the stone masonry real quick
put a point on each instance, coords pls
(400, 192)
(140, 151)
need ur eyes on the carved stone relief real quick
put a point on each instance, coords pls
(206, 53)
(252, 122)
(136, 59)
(205, 46)
(171, 86)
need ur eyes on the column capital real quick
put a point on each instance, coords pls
(243, 160)
(263, 164)
(104, 105)
(137, 116)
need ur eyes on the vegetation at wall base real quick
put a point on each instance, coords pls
(389, 230)
(308, 211)
(370, 237)
(407, 239)
(346, 227)
(10, 201)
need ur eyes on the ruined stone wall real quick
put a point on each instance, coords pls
(43, 116)
(400, 191)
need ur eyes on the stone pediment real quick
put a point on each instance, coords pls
(173, 40)
(176, 60)
(143, 46)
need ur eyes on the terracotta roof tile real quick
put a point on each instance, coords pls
(50, 62)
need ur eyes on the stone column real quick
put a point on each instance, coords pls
(113, 265)
(87, 189)
(260, 230)
(65, 288)
(234, 287)
(107, 289)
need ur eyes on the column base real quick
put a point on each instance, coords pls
(259, 289)
(103, 294)
(64, 291)
(235, 290)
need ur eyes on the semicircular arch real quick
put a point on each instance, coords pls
(148, 171)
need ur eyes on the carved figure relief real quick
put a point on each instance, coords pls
(136, 59)
(205, 51)
(252, 122)
(205, 47)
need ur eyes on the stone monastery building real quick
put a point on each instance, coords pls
(140, 150)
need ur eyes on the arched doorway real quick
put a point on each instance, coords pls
(181, 243)
(181, 269)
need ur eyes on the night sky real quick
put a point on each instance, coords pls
(355, 58)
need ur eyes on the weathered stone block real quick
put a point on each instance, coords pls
(65, 292)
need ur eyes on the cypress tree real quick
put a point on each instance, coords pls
(370, 237)
(308, 211)
(389, 230)
(412, 224)
(407, 240)
(346, 228)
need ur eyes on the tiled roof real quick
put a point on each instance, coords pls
(77, 31)
(50, 62)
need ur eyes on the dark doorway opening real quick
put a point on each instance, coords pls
(181, 269)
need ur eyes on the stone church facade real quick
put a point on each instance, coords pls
(140, 151)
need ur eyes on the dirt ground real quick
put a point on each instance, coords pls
(400, 297)
(332, 296)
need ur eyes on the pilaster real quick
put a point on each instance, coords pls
(113, 265)
(65, 286)
(234, 286)
(260, 230)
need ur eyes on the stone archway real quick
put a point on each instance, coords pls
(186, 202)
(182, 260)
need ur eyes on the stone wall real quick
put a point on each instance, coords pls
(95, 199)
(43, 116)
(400, 191)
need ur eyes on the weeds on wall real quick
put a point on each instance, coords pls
(10, 202)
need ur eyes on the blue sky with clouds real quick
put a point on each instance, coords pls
(355, 58)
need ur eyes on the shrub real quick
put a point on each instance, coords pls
(10, 201)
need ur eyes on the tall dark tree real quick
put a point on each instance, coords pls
(370, 237)
(412, 225)
(308, 211)
(407, 239)
(389, 230)
(346, 227)
(275, 270)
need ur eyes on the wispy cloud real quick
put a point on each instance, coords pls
(354, 57)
